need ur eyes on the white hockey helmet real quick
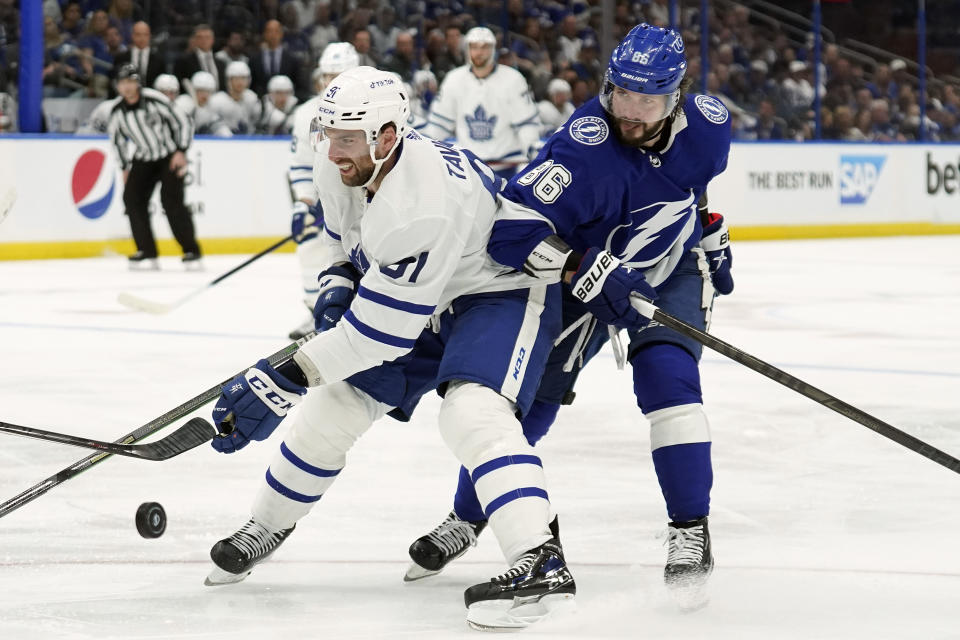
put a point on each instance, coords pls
(203, 81)
(363, 99)
(167, 83)
(482, 35)
(238, 69)
(280, 83)
(558, 85)
(338, 57)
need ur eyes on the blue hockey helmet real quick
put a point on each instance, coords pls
(650, 60)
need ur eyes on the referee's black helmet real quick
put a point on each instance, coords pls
(128, 70)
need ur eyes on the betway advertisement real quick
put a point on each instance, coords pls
(823, 184)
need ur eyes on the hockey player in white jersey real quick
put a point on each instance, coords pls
(336, 58)
(197, 107)
(277, 107)
(407, 220)
(168, 85)
(487, 108)
(238, 106)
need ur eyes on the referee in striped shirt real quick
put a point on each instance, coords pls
(151, 136)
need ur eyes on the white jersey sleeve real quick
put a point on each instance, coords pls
(301, 153)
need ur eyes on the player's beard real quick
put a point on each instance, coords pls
(638, 134)
(362, 172)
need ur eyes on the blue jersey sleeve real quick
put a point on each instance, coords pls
(561, 191)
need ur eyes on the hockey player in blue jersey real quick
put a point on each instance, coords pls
(406, 223)
(615, 194)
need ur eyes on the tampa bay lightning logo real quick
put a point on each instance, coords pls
(589, 130)
(652, 232)
(481, 126)
(712, 108)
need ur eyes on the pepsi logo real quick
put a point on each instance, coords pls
(92, 184)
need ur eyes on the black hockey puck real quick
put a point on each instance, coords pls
(151, 520)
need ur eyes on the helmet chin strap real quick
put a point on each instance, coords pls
(378, 164)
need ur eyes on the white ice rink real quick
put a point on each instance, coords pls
(821, 528)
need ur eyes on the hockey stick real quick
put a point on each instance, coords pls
(146, 430)
(648, 310)
(191, 435)
(159, 308)
(7, 200)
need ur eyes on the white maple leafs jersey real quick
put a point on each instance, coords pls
(494, 116)
(275, 121)
(240, 116)
(205, 120)
(301, 153)
(420, 242)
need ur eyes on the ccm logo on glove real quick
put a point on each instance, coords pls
(268, 393)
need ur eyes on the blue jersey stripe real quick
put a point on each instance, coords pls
(379, 336)
(393, 303)
(515, 152)
(287, 492)
(301, 180)
(331, 234)
(499, 463)
(301, 167)
(531, 120)
(437, 115)
(516, 494)
(305, 466)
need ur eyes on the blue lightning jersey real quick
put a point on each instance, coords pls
(593, 191)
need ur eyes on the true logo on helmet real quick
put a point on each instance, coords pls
(712, 109)
(93, 183)
(678, 45)
(589, 130)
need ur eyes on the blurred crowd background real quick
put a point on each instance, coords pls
(760, 53)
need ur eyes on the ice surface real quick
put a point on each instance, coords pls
(821, 528)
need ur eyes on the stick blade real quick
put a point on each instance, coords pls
(194, 433)
(7, 198)
(139, 304)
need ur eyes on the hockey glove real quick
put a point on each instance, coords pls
(716, 245)
(338, 285)
(604, 286)
(304, 225)
(252, 405)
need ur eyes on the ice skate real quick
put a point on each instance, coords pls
(235, 557)
(689, 563)
(140, 261)
(191, 261)
(447, 542)
(537, 585)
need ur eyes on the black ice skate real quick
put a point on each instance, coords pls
(141, 261)
(538, 584)
(236, 556)
(689, 562)
(447, 542)
(191, 261)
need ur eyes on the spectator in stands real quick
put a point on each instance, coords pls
(403, 60)
(200, 58)
(295, 39)
(882, 128)
(65, 69)
(768, 126)
(843, 124)
(234, 49)
(569, 40)
(361, 42)
(72, 23)
(148, 62)
(306, 9)
(114, 42)
(322, 32)
(384, 31)
(796, 92)
(123, 14)
(455, 48)
(273, 59)
(557, 108)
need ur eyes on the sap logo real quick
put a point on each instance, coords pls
(93, 183)
(858, 176)
(519, 363)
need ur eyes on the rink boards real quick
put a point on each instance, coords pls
(70, 201)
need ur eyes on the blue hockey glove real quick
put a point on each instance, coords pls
(716, 246)
(252, 405)
(338, 285)
(304, 225)
(604, 286)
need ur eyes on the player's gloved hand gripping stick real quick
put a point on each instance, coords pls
(651, 312)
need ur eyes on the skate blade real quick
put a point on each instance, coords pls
(150, 264)
(690, 595)
(514, 615)
(416, 572)
(220, 577)
(194, 265)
